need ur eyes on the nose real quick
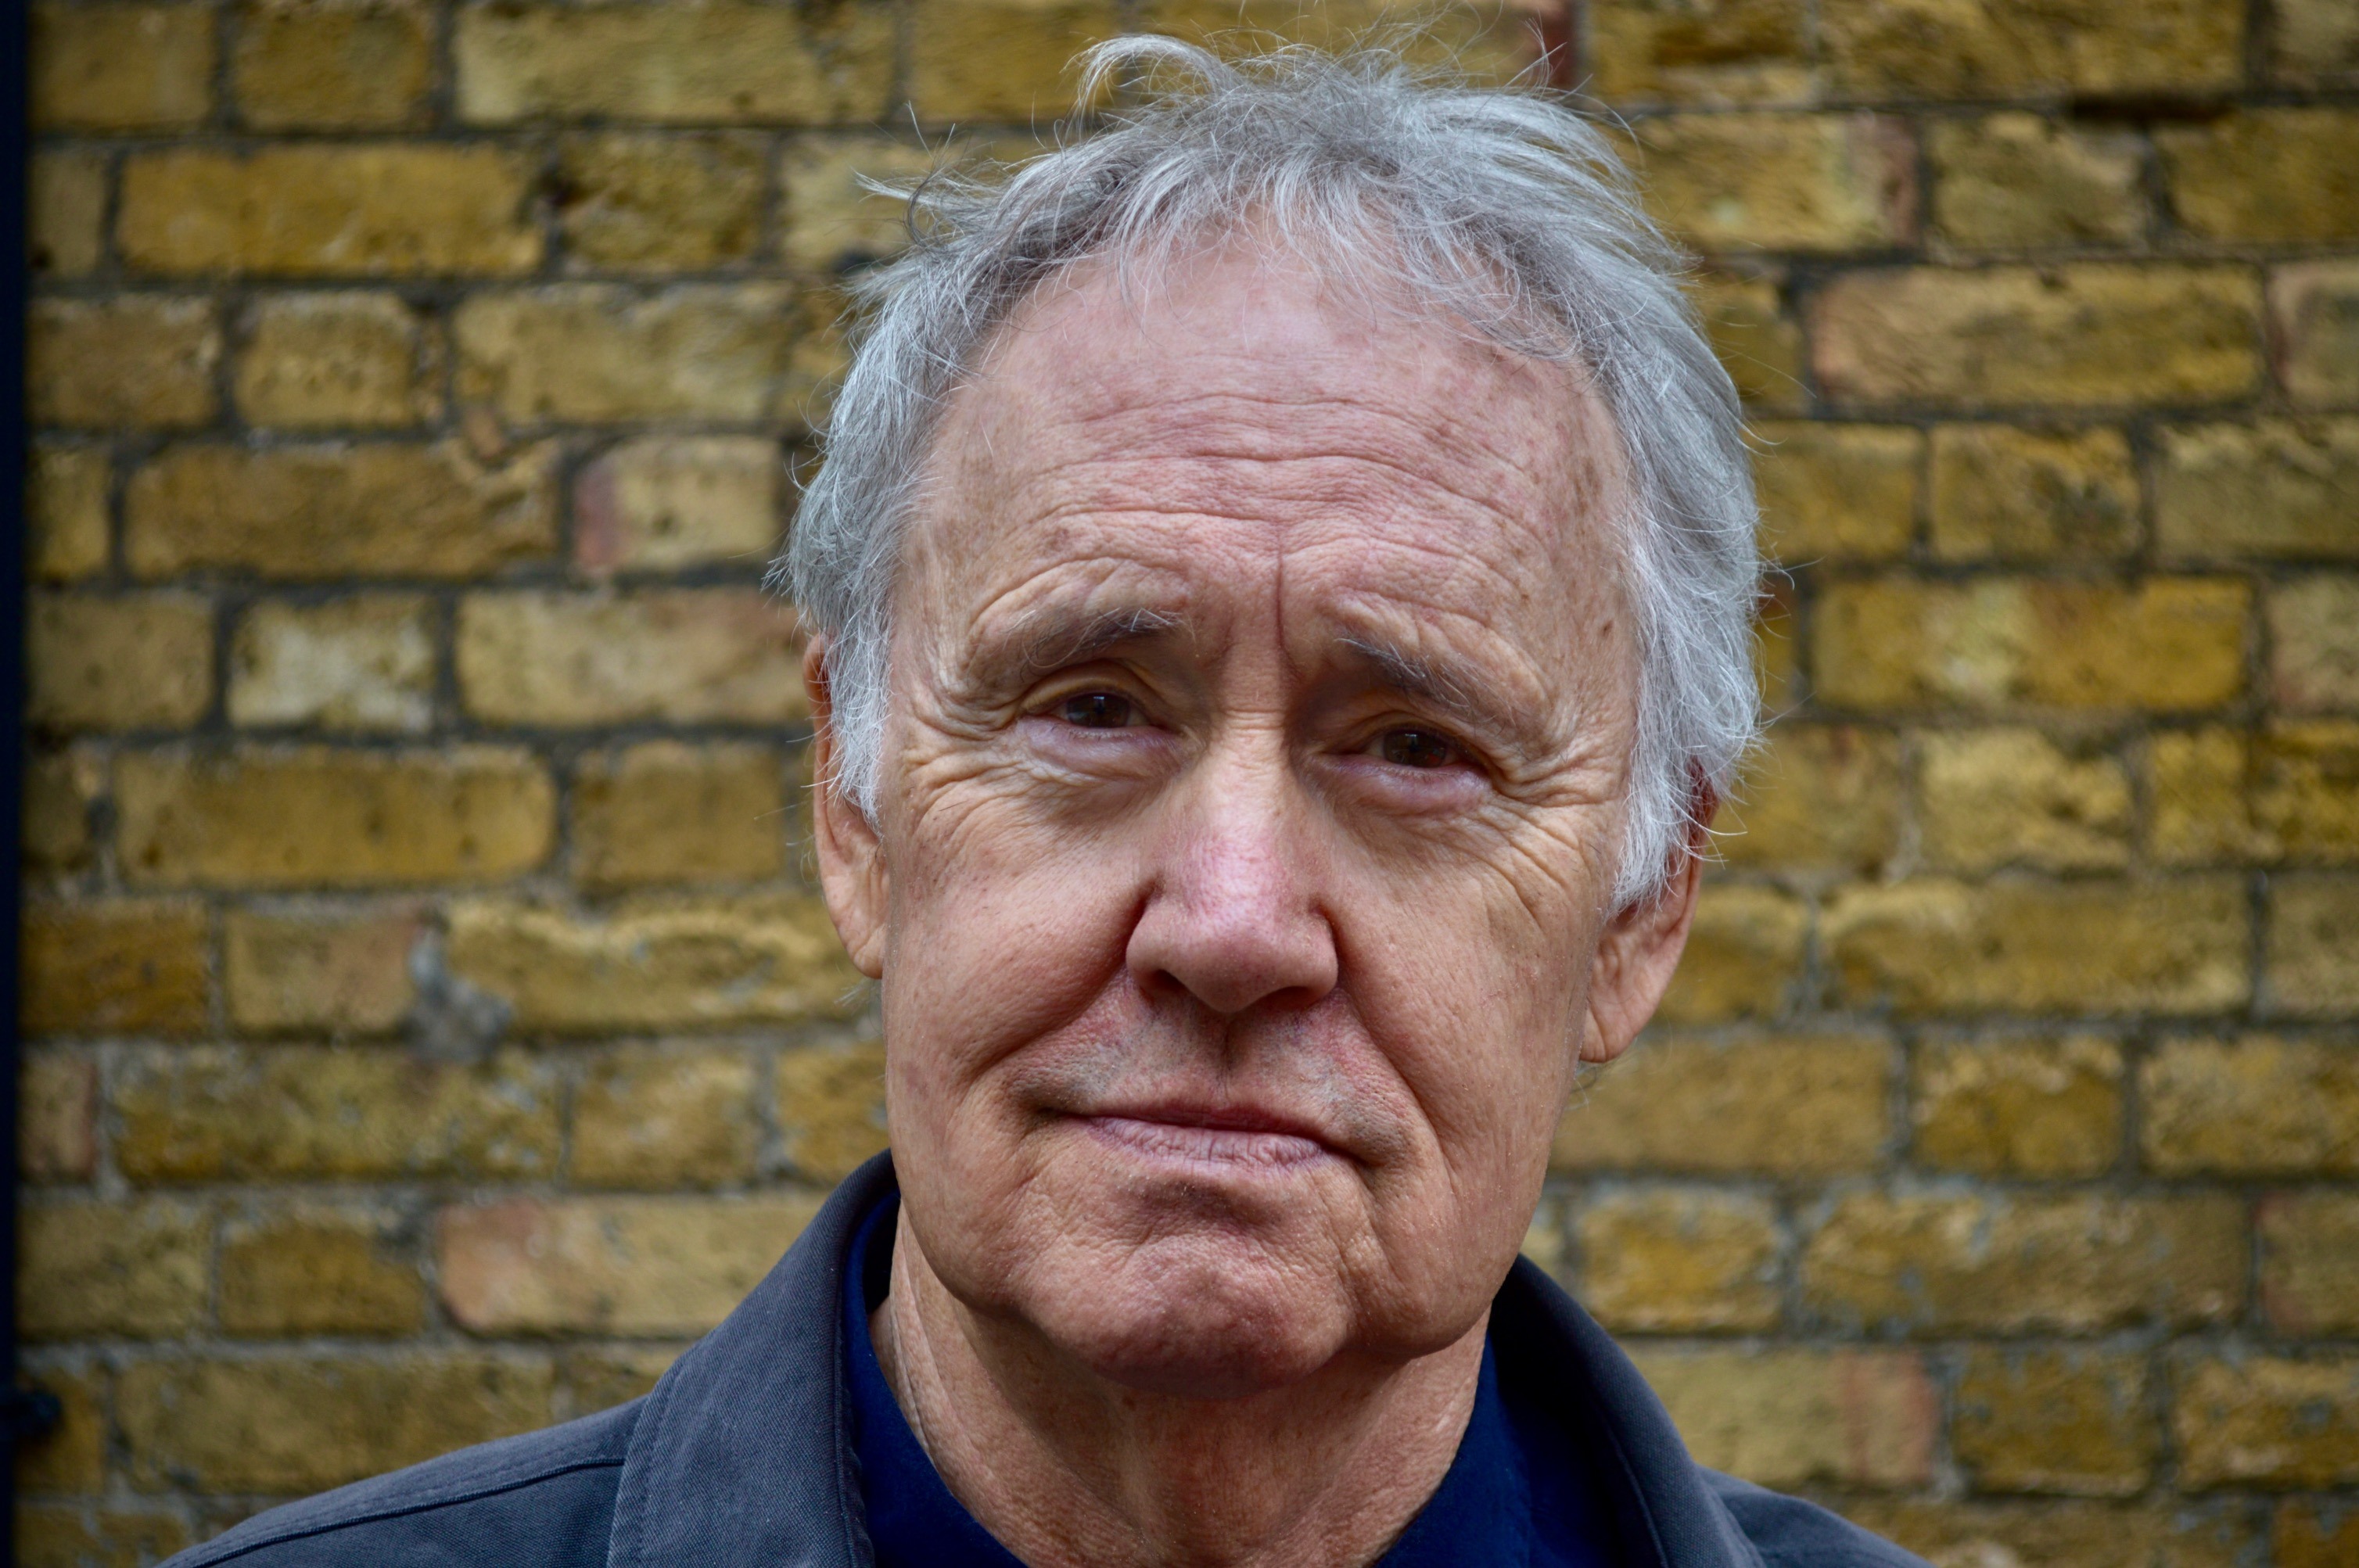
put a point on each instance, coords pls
(1235, 918)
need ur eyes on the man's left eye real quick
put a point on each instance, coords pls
(1099, 711)
(1418, 748)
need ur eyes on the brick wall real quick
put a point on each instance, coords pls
(432, 1024)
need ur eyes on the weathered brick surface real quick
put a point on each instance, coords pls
(660, 1267)
(401, 509)
(1793, 1417)
(2046, 1421)
(2090, 335)
(291, 1423)
(228, 1112)
(320, 817)
(430, 1023)
(2009, 1264)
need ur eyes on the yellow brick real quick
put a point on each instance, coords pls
(2052, 1533)
(291, 1423)
(2310, 1262)
(1792, 1417)
(2169, 644)
(1991, 49)
(115, 67)
(66, 1535)
(833, 222)
(131, 359)
(100, 1270)
(1756, 339)
(65, 212)
(57, 1130)
(2199, 812)
(66, 508)
(1744, 955)
(337, 971)
(2305, 789)
(2003, 494)
(669, 812)
(2268, 1420)
(1728, 52)
(2086, 334)
(652, 1117)
(641, 202)
(2009, 1264)
(1838, 492)
(2313, 1534)
(319, 1270)
(660, 503)
(401, 510)
(1786, 1105)
(1780, 182)
(726, 60)
(729, 654)
(2317, 40)
(2014, 179)
(332, 1113)
(604, 1377)
(1680, 1261)
(1932, 947)
(2255, 1107)
(2284, 176)
(657, 965)
(1778, 646)
(2315, 308)
(129, 662)
(1004, 60)
(324, 361)
(2274, 489)
(2076, 1421)
(1544, 1241)
(364, 663)
(2313, 623)
(317, 817)
(1987, 799)
(330, 210)
(2032, 1107)
(601, 352)
(831, 1108)
(114, 967)
(346, 65)
(1816, 796)
(72, 1457)
(2308, 962)
(624, 1266)
(60, 791)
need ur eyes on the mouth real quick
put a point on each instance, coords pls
(1233, 1137)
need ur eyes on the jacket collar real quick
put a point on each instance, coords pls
(742, 1457)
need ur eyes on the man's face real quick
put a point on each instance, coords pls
(1262, 691)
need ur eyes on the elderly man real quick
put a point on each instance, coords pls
(1281, 580)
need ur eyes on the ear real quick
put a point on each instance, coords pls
(851, 857)
(1641, 946)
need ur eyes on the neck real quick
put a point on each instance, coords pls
(1066, 1468)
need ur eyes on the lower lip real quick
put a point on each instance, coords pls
(1226, 1148)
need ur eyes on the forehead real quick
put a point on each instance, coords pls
(1241, 409)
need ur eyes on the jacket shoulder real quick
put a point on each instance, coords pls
(1791, 1534)
(542, 1500)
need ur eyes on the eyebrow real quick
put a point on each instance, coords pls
(1061, 637)
(1446, 688)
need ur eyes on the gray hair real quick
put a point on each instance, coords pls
(1503, 208)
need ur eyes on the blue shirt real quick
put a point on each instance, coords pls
(1517, 1492)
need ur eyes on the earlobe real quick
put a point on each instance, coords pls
(1640, 948)
(852, 869)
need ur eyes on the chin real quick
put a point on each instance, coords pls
(1173, 1320)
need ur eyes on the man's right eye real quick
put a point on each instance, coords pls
(1099, 711)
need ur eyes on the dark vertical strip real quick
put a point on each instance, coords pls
(23, 1413)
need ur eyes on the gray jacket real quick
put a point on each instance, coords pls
(742, 1458)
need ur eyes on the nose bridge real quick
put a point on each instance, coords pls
(1238, 914)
